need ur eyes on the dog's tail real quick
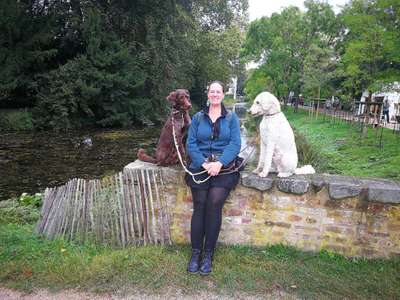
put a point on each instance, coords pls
(304, 170)
(141, 154)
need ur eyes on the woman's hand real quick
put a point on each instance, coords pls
(213, 168)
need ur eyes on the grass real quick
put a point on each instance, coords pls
(28, 261)
(341, 151)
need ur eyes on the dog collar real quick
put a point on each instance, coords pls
(273, 114)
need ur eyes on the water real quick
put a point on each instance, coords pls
(240, 108)
(249, 149)
(30, 162)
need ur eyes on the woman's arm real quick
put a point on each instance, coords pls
(194, 152)
(233, 148)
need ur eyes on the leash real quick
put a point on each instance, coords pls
(222, 172)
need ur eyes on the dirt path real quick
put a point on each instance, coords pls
(41, 294)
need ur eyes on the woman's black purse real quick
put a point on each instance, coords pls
(236, 165)
(239, 163)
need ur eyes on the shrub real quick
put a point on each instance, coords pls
(16, 120)
(31, 200)
(12, 211)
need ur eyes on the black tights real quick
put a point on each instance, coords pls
(207, 216)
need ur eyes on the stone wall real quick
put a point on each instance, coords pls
(355, 217)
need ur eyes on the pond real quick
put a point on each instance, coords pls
(30, 162)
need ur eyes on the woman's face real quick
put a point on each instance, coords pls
(215, 94)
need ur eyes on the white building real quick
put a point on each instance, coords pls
(392, 93)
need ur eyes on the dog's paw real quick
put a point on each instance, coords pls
(263, 174)
(256, 171)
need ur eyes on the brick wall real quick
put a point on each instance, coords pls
(347, 215)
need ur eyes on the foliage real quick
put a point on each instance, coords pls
(319, 54)
(31, 200)
(29, 262)
(218, 34)
(257, 82)
(14, 212)
(16, 120)
(370, 45)
(82, 63)
(26, 48)
(318, 67)
(100, 86)
(307, 153)
(293, 48)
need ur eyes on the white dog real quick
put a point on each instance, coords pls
(278, 151)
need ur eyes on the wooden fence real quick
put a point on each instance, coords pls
(128, 208)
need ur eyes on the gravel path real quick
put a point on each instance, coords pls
(41, 294)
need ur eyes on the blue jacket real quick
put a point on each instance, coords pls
(221, 139)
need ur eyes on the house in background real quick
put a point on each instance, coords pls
(390, 92)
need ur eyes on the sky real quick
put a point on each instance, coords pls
(260, 8)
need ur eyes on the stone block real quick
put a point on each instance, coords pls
(383, 191)
(343, 190)
(254, 181)
(293, 185)
(318, 182)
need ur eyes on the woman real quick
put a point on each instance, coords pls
(213, 144)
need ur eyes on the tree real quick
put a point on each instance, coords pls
(370, 43)
(318, 68)
(59, 57)
(283, 44)
(27, 48)
(99, 87)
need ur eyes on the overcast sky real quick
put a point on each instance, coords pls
(260, 8)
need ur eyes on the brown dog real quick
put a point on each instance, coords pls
(166, 151)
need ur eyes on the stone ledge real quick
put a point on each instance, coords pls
(169, 174)
(339, 187)
(253, 181)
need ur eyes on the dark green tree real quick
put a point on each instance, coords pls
(99, 87)
(27, 48)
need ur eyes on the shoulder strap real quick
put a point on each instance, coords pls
(229, 117)
(199, 116)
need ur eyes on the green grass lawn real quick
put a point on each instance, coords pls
(341, 151)
(28, 261)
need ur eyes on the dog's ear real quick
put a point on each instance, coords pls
(270, 104)
(172, 97)
(264, 101)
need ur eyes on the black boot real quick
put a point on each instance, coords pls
(194, 262)
(206, 262)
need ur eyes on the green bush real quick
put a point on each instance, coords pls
(22, 210)
(308, 154)
(13, 212)
(31, 200)
(16, 120)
